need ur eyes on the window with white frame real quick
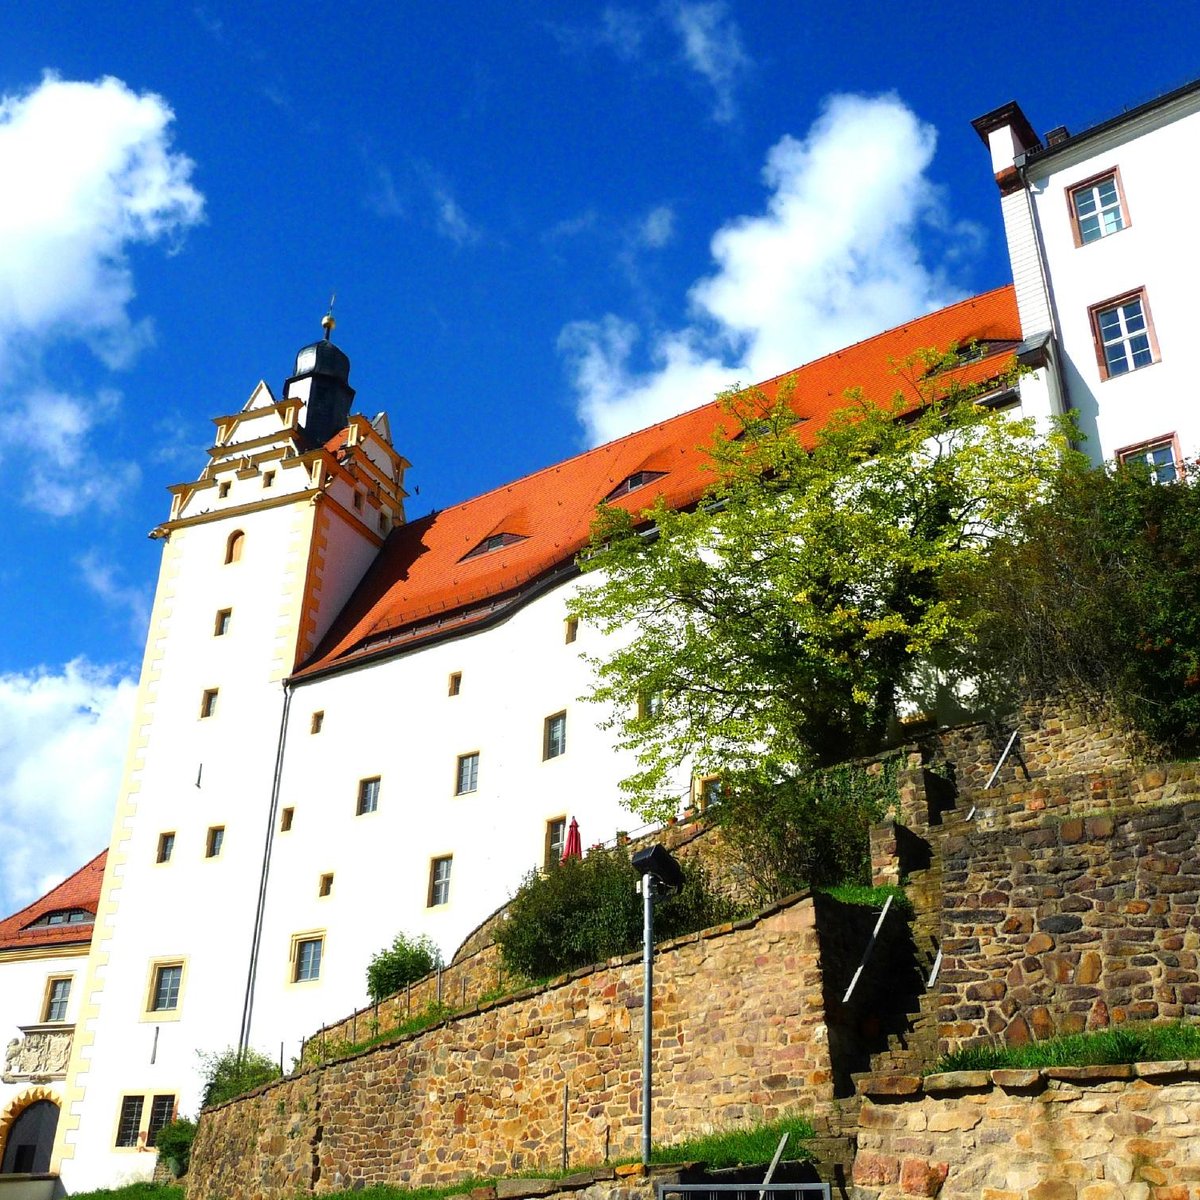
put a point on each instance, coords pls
(162, 1110)
(1098, 207)
(467, 779)
(1124, 334)
(1159, 456)
(306, 957)
(130, 1121)
(556, 842)
(439, 880)
(164, 989)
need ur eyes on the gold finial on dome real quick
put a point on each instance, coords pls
(327, 322)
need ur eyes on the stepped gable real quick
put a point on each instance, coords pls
(78, 891)
(460, 567)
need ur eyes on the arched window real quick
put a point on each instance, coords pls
(30, 1140)
(233, 547)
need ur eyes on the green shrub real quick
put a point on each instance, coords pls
(809, 831)
(405, 961)
(232, 1073)
(174, 1144)
(587, 910)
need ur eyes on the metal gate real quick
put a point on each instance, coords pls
(743, 1191)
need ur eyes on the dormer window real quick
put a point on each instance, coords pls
(63, 916)
(495, 541)
(632, 482)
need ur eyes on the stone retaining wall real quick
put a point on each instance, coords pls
(740, 1033)
(1066, 1133)
(1072, 904)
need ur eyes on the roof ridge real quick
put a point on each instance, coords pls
(832, 354)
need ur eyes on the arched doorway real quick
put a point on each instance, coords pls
(30, 1140)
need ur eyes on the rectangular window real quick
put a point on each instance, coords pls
(1098, 207)
(439, 881)
(1161, 457)
(649, 705)
(166, 846)
(358, 501)
(468, 774)
(571, 629)
(285, 819)
(164, 994)
(208, 702)
(556, 841)
(1124, 334)
(57, 995)
(318, 722)
(554, 736)
(268, 478)
(455, 685)
(706, 791)
(130, 1121)
(216, 839)
(222, 490)
(383, 523)
(368, 795)
(325, 886)
(221, 625)
(308, 959)
(162, 1109)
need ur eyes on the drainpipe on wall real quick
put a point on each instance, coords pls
(256, 940)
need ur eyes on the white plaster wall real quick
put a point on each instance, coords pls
(193, 909)
(396, 720)
(1159, 161)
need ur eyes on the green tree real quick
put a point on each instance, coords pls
(587, 910)
(1097, 593)
(233, 1072)
(776, 622)
(406, 960)
(174, 1143)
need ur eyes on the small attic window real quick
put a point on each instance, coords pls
(64, 916)
(632, 482)
(496, 541)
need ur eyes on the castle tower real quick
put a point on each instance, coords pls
(259, 554)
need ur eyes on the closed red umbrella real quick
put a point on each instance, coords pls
(574, 847)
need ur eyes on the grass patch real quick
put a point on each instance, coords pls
(740, 1147)
(1108, 1047)
(134, 1191)
(872, 897)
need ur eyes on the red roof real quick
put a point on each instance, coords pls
(420, 586)
(79, 891)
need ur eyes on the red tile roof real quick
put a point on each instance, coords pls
(81, 890)
(421, 586)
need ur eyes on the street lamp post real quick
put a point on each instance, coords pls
(658, 871)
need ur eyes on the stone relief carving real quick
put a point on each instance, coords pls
(41, 1054)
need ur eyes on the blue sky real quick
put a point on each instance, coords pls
(545, 224)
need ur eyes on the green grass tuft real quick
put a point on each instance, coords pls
(740, 1147)
(872, 897)
(1128, 1044)
(134, 1191)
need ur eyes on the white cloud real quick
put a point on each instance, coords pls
(104, 580)
(61, 474)
(623, 30)
(656, 228)
(452, 221)
(712, 47)
(62, 743)
(96, 176)
(383, 197)
(835, 256)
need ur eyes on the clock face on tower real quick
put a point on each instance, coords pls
(306, 360)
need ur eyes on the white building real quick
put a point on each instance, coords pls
(1104, 251)
(350, 725)
(43, 955)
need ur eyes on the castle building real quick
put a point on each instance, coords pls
(350, 724)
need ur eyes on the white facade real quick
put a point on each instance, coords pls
(1134, 177)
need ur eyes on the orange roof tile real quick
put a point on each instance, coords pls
(81, 890)
(421, 587)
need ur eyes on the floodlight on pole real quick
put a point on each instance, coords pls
(658, 870)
